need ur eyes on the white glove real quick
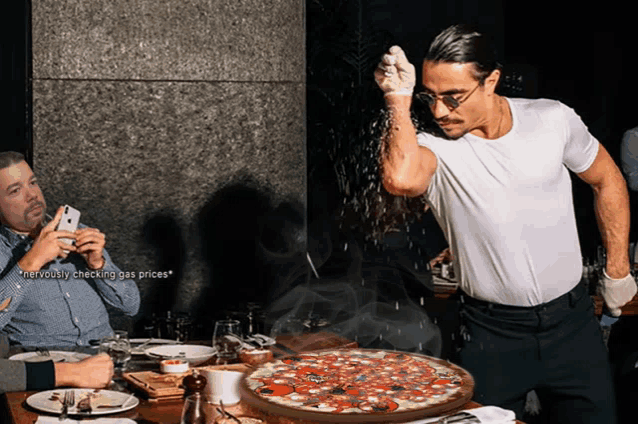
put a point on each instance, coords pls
(616, 292)
(395, 75)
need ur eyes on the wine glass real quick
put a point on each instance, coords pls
(227, 338)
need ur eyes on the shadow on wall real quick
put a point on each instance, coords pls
(163, 233)
(246, 242)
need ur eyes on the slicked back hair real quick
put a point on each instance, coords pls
(464, 44)
(8, 159)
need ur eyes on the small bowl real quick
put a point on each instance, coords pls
(255, 356)
(173, 366)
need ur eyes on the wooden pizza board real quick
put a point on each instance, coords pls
(157, 386)
(306, 415)
(309, 342)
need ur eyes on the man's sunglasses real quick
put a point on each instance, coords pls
(447, 100)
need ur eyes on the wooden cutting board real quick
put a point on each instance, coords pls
(288, 344)
(157, 386)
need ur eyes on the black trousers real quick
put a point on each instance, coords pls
(555, 348)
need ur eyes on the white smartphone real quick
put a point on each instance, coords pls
(69, 222)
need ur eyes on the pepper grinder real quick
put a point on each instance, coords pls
(193, 412)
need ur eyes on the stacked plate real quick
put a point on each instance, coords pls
(139, 346)
(193, 354)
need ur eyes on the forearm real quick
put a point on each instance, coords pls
(120, 293)
(611, 203)
(30, 262)
(65, 374)
(399, 151)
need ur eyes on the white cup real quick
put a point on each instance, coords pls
(222, 385)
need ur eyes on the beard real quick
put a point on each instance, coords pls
(35, 222)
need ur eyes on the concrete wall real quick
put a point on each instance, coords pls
(154, 116)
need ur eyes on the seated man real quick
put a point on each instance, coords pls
(67, 308)
(17, 376)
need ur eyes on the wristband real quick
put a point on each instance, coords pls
(614, 279)
(40, 375)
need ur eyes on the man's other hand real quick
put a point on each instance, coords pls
(94, 372)
(90, 243)
(616, 292)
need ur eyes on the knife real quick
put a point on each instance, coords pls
(85, 405)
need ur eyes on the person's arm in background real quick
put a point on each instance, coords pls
(629, 157)
(94, 372)
(120, 293)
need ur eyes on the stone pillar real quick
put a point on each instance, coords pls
(152, 116)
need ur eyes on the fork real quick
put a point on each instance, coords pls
(42, 351)
(69, 400)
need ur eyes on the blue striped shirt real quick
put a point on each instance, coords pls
(62, 305)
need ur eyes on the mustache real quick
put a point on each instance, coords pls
(34, 205)
(447, 121)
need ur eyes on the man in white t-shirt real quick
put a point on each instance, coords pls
(498, 184)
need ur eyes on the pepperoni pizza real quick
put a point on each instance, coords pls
(358, 385)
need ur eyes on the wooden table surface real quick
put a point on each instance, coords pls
(165, 412)
(169, 411)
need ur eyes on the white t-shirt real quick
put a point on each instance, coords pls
(506, 206)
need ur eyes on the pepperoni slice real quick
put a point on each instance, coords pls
(274, 390)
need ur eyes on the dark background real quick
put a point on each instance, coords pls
(581, 57)
(15, 75)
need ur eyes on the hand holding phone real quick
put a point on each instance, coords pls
(69, 222)
(54, 241)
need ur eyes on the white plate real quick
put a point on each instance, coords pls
(194, 354)
(154, 341)
(135, 350)
(42, 401)
(54, 355)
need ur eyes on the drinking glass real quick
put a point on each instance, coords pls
(227, 338)
(118, 348)
(287, 327)
(194, 411)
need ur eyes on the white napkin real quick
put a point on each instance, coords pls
(485, 414)
(56, 420)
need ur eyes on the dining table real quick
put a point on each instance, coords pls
(153, 411)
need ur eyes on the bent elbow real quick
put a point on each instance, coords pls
(399, 187)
